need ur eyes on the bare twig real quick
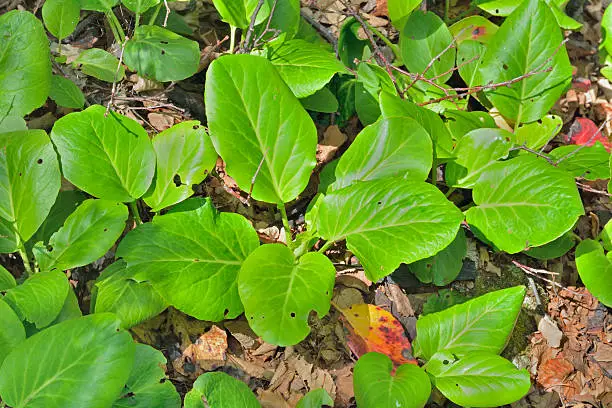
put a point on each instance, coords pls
(456, 68)
(325, 33)
(586, 187)
(254, 178)
(116, 78)
(167, 13)
(247, 40)
(537, 153)
(536, 274)
(267, 29)
(588, 142)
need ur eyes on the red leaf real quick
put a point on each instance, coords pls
(584, 131)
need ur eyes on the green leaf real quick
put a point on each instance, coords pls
(82, 362)
(443, 267)
(12, 124)
(70, 309)
(528, 40)
(350, 46)
(321, 101)
(65, 92)
(185, 156)
(238, 13)
(220, 391)
(109, 157)
(98, 5)
(29, 180)
(536, 135)
(606, 31)
(460, 123)
(61, 17)
(140, 6)
(473, 28)
(481, 324)
(147, 385)
(100, 64)
(285, 19)
(476, 379)
(88, 233)
(395, 147)
(606, 236)
(389, 221)
(279, 292)
(376, 387)
(589, 162)
(595, 270)
(7, 281)
(366, 105)
(191, 255)
(25, 63)
(442, 300)
(506, 7)
(158, 53)
(554, 249)
(256, 122)
(400, 9)
(131, 301)
(12, 332)
(524, 202)
(315, 399)
(469, 55)
(476, 152)
(422, 40)
(40, 298)
(308, 33)
(498, 7)
(9, 240)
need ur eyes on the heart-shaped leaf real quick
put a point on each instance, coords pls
(66, 93)
(12, 332)
(220, 391)
(476, 379)
(108, 157)
(185, 155)
(238, 13)
(54, 368)
(443, 267)
(256, 123)
(536, 135)
(192, 255)
(89, 232)
(140, 6)
(25, 64)
(279, 292)
(589, 162)
(389, 221)
(61, 17)
(315, 399)
(595, 269)
(524, 202)
(100, 64)
(158, 53)
(7, 280)
(481, 324)
(376, 387)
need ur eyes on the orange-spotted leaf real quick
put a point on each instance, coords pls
(371, 328)
(473, 28)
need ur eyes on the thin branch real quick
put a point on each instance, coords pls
(116, 78)
(456, 68)
(167, 13)
(267, 29)
(321, 29)
(586, 187)
(536, 274)
(588, 142)
(537, 153)
(247, 40)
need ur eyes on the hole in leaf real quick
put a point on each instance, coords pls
(163, 52)
(49, 248)
(177, 180)
(505, 67)
(162, 380)
(379, 203)
(19, 174)
(496, 11)
(105, 229)
(225, 312)
(292, 314)
(196, 127)
(39, 161)
(163, 42)
(445, 362)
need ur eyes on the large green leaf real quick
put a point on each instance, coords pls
(148, 386)
(460, 123)
(286, 19)
(78, 363)
(238, 13)
(89, 232)
(98, 5)
(423, 38)
(595, 269)
(7, 280)
(29, 180)
(256, 123)
(12, 332)
(524, 202)
(140, 6)
(589, 162)
(279, 292)
(108, 157)
(220, 391)
(399, 10)
(477, 379)
(40, 298)
(443, 267)
(25, 63)
(315, 399)
(389, 221)
(376, 387)
(553, 249)
(100, 64)
(536, 135)
(321, 101)
(366, 105)
(305, 67)
(193, 255)
(158, 53)
(66, 93)
(476, 27)
(528, 40)
(9, 240)
(469, 55)
(61, 16)
(481, 324)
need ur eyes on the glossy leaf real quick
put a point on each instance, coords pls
(376, 387)
(286, 18)
(88, 233)
(524, 202)
(66, 93)
(12, 123)
(54, 368)
(7, 281)
(221, 391)
(589, 162)
(185, 156)
(158, 53)
(98, 5)
(279, 292)
(366, 105)
(12, 333)
(109, 157)
(606, 236)
(476, 28)
(238, 13)
(554, 249)
(321, 101)
(140, 6)
(460, 123)
(100, 64)
(399, 10)
(389, 221)
(256, 122)
(536, 135)
(443, 267)
(476, 379)
(595, 270)
(469, 55)
(315, 399)
(191, 255)
(25, 64)
(480, 324)
(61, 16)
(528, 40)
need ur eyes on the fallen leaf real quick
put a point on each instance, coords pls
(207, 353)
(550, 331)
(585, 132)
(554, 372)
(160, 121)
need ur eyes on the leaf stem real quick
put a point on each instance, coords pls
(112, 19)
(288, 237)
(232, 38)
(155, 14)
(326, 246)
(137, 22)
(135, 214)
(449, 192)
(24, 255)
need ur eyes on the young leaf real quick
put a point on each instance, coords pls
(279, 292)
(54, 368)
(65, 92)
(388, 221)
(7, 281)
(256, 123)
(147, 385)
(29, 180)
(12, 333)
(524, 202)
(120, 161)
(99, 64)
(238, 13)
(304, 67)
(102, 6)
(476, 379)
(481, 324)
(140, 6)
(88, 233)
(595, 269)
(61, 17)
(321, 101)
(376, 387)
(590, 162)
(25, 64)
(536, 135)
(443, 267)
(191, 255)
(221, 391)
(185, 156)
(528, 40)
(315, 399)
(158, 53)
